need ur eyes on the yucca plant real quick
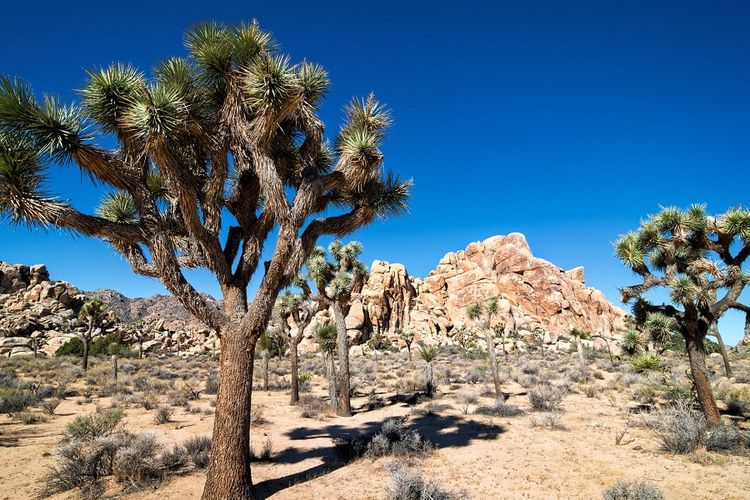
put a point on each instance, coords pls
(335, 280)
(699, 260)
(481, 314)
(631, 342)
(327, 342)
(429, 353)
(646, 361)
(215, 153)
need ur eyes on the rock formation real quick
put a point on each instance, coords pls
(534, 294)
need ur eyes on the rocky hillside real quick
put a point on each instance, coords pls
(534, 293)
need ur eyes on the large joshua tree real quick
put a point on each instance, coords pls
(294, 309)
(216, 153)
(335, 281)
(699, 259)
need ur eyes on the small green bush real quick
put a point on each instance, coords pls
(94, 425)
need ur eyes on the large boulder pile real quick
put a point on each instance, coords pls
(534, 294)
(31, 305)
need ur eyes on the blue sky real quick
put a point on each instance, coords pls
(567, 121)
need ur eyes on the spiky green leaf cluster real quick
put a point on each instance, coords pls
(428, 353)
(660, 328)
(118, 207)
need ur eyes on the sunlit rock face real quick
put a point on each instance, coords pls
(533, 292)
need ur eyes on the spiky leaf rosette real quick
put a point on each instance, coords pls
(428, 353)
(118, 207)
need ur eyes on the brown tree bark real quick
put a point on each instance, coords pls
(493, 364)
(344, 407)
(697, 357)
(332, 389)
(265, 370)
(430, 380)
(723, 348)
(295, 370)
(229, 471)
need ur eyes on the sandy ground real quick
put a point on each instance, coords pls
(484, 456)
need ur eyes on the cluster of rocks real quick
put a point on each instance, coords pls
(34, 307)
(534, 295)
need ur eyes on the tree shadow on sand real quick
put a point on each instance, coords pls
(443, 431)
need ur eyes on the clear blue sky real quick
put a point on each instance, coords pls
(567, 121)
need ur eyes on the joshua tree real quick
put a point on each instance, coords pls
(38, 341)
(215, 154)
(429, 353)
(378, 342)
(138, 333)
(326, 336)
(296, 309)
(407, 337)
(335, 281)
(93, 314)
(699, 259)
(580, 336)
(481, 314)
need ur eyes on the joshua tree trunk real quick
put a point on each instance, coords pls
(502, 342)
(430, 381)
(579, 348)
(140, 349)
(493, 364)
(295, 371)
(229, 472)
(344, 408)
(265, 370)
(332, 390)
(86, 339)
(697, 356)
(724, 353)
(114, 368)
(408, 349)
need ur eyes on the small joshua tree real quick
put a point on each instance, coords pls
(335, 281)
(429, 353)
(580, 335)
(482, 314)
(699, 259)
(326, 337)
(407, 337)
(93, 315)
(138, 333)
(38, 341)
(296, 309)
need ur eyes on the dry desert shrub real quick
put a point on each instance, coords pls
(632, 490)
(406, 485)
(544, 397)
